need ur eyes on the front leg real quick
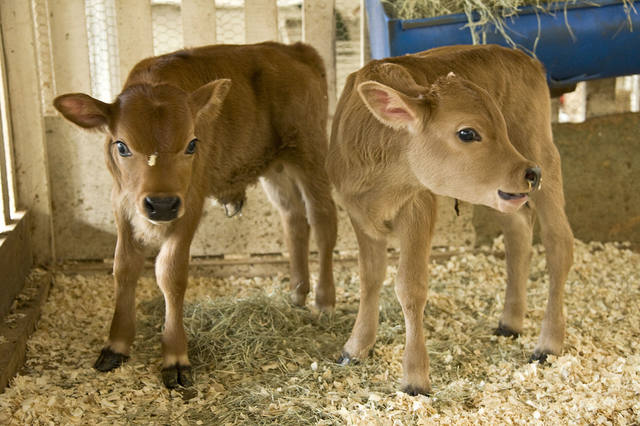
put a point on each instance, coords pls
(372, 260)
(557, 239)
(415, 228)
(172, 267)
(127, 267)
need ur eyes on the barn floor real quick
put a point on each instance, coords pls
(259, 360)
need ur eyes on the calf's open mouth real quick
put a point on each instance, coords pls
(508, 196)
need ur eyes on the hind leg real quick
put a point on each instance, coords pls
(557, 239)
(285, 196)
(313, 183)
(518, 231)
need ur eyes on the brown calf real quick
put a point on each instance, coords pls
(467, 122)
(208, 122)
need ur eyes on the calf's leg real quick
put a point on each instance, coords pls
(372, 260)
(313, 183)
(172, 267)
(518, 231)
(557, 239)
(127, 267)
(414, 228)
(285, 196)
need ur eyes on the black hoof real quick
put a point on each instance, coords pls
(506, 332)
(109, 360)
(540, 357)
(416, 390)
(177, 375)
(346, 359)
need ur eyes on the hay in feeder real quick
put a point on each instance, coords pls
(487, 10)
(481, 13)
(259, 360)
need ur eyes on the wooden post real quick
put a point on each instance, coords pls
(260, 21)
(33, 188)
(198, 22)
(5, 202)
(365, 49)
(135, 35)
(69, 46)
(44, 55)
(318, 29)
(624, 96)
(635, 93)
(7, 162)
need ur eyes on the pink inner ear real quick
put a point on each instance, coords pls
(79, 107)
(389, 108)
(397, 111)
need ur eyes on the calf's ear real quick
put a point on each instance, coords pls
(391, 107)
(83, 110)
(208, 99)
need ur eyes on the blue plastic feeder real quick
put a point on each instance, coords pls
(599, 43)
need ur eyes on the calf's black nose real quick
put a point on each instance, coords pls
(162, 208)
(533, 175)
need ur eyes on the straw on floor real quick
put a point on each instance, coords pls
(260, 360)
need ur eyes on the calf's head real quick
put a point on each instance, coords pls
(154, 137)
(456, 139)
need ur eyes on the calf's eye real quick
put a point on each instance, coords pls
(469, 135)
(191, 148)
(123, 149)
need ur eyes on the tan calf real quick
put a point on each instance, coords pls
(208, 122)
(472, 123)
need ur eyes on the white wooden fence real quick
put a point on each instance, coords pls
(56, 171)
(60, 46)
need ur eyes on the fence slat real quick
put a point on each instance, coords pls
(5, 212)
(198, 22)
(7, 181)
(365, 49)
(69, 46)
(42, 31)
(27, 124)
(318, 29)
(260, 20)
(135, 35)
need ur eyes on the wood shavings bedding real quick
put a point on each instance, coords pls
(257, 359)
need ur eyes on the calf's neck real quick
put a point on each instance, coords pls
(209, 122)
(467, 122)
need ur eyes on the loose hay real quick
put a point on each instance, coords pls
(258, 359)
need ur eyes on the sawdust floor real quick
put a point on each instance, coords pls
(259, 360)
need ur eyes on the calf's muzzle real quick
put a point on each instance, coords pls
(162, 209)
